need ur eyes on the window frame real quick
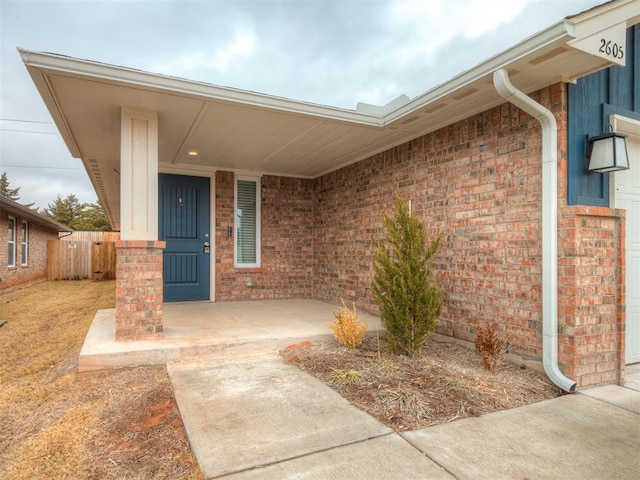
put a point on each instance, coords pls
(11, 241)
(258, 236)
(24, 254)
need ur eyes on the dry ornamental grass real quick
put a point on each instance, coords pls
(55, 424)
(348, 327)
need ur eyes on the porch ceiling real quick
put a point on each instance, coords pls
(250, 132)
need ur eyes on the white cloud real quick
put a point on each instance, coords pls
(240, 47)
(441, 21)
(218, 59)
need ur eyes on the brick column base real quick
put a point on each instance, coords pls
(139, 290)
(591, 295)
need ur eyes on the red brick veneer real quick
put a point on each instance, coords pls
(139, 290)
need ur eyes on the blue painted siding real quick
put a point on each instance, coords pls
(591, 101)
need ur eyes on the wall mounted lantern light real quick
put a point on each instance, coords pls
(607, 153)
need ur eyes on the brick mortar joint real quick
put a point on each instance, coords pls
(149, 244)
(591, 211)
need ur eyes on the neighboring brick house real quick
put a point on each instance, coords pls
(23, 236)
(226, 195)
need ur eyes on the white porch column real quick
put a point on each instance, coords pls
(139, 283)
(138, 175)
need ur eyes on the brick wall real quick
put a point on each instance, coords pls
(36, 268)
(478, 183)
(591, 273)
(138, 290)
(287, 241)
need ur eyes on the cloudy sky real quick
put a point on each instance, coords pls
(331, 52)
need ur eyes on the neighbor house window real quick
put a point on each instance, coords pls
(247, 235)
(11, 224)
(25, 243)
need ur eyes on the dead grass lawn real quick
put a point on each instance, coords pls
(55, 424)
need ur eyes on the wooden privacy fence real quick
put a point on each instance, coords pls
(81, 259)
(103, 260)
(91, 237)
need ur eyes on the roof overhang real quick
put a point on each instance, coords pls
(250, 132)
(25, 213)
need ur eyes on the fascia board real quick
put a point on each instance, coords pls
(608, 14)
(570, 29)
(57, 64)
(46, 92)
(558, 33)
(608, 22)
(122, 75)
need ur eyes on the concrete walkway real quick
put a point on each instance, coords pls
(262, 419)
(249, 416)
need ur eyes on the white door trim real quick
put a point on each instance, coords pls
(631, 128)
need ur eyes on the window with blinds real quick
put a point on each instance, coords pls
(25, 243)
(11, 227)
(247, 235)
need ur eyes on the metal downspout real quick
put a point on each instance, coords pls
(549, 224)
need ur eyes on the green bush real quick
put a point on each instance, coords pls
(402, 287)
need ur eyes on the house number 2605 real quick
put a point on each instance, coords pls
(611, 49)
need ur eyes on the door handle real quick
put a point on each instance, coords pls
(207, 247)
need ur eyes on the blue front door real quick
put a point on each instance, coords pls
(184, 225)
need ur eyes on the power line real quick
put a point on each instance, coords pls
(24, 121)
(27, 131)
(44, 168)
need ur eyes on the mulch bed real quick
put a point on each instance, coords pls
(445, 382)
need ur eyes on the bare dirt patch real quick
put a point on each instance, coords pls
(444, 383)
(56, 424)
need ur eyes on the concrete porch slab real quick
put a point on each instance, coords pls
(243, 415)
(224, 331)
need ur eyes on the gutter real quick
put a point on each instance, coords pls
(41, 63)
(552, 37)
(44, 63)
(549, 224)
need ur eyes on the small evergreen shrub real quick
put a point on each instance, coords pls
(348, 328)
(408, 300)
(490, 347)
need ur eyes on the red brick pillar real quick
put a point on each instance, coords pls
(591, 294)
(139, 290)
